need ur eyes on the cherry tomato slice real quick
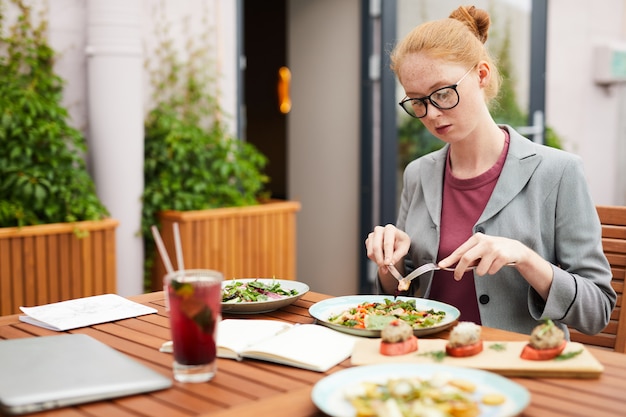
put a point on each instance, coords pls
(464, 351)
(533, 354)
(399, 348)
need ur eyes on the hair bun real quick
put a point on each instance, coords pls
(477, 20)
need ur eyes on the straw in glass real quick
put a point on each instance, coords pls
(162, 251)
(179, 249)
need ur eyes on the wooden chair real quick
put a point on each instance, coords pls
(613, 219)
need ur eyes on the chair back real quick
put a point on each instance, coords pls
(613, 219)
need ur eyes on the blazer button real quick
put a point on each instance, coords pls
(484, 299)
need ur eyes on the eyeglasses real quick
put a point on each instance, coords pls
(444, 98)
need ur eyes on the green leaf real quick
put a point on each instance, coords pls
(498, 347)
(436, 355)
(38, 145)
(568, 355)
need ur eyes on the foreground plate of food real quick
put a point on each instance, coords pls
(346, 314)
(260, 295)
(458, 391)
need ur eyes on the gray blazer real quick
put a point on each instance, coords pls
(540, 199)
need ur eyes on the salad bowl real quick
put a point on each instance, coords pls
(274, 301)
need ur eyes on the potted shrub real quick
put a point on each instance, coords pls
(56, 240)
(206, 180)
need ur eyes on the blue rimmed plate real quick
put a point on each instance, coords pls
(329, 393)
(332, 306)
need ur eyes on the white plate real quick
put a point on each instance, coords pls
(324, 309)
(328, 393)
(269, 305)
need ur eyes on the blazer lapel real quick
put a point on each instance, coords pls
(431, 177)
(521, 162)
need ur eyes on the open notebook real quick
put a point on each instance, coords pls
(41, 373)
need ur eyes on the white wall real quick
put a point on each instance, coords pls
(210, 23)
(323, 131)
(68, 33)
(588, 117)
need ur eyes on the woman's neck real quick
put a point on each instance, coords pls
(476, 154)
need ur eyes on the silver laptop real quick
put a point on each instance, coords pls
(41, 373)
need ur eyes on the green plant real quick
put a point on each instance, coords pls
(191, 162)
(43, 177)
(506, 109)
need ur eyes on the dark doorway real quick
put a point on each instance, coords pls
(264, 47)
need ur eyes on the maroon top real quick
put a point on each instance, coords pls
(464, 200)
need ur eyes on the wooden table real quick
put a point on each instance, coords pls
(259, 389)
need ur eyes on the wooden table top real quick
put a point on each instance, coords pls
(253, 388)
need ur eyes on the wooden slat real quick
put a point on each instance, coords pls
(613, 231)
(612, 215)
(76, 271)
(86, 265)
(17, 274)
(6, 290)
(41, 270)
(54, 286)
(56, 228)
(28, 279)
(111, 260)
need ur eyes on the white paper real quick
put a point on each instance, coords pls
(82, 312)
(239, 334)
(308, 346)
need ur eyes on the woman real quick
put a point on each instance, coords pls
(489, 198)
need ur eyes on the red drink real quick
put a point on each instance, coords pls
(194, 298)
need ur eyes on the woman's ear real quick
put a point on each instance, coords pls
(484, 73)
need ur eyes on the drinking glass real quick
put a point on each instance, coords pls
(194, 299)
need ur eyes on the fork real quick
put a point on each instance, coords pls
(424, 269)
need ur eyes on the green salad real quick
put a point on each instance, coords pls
(375, 316)
(251, 291)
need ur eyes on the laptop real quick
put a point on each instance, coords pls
(42, 373)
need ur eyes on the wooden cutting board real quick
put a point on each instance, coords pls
(504, 362)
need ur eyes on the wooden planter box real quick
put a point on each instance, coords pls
(49, 263)
(241, 242)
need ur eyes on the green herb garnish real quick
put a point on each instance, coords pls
(568, 355)
(498, 347)
(204, 319)
(436, 355)
(547, 326)
(183, 289)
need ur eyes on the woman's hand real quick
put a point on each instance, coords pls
(491, 253)
(386, 246)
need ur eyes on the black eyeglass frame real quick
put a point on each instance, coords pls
(427, 98)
